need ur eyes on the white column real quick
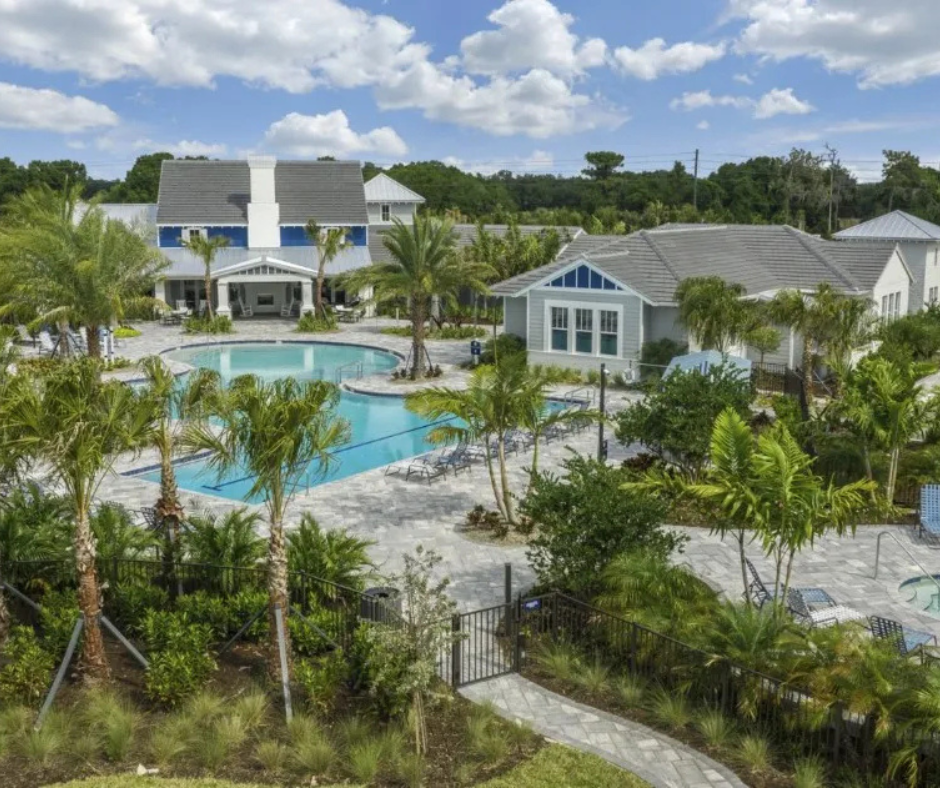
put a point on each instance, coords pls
(306, 288)
(365, 295)
(159, 291)
(223, 307)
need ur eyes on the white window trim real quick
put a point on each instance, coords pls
(596, 308)
(190, 230)
(385, 208)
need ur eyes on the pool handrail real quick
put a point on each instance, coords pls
(339, 371)
(570, 398)
(910, 555)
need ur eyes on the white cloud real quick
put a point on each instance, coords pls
(703, 125)
(884, 42)
(654, 58)
(329, 134)
(48, 110)
(530, 34)
(744, 79)
(538, 103)
(781, 102)
(539, 161)
(774, 102)
(700, 99)
(183, 147)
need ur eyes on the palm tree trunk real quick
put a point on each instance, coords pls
(94, 660)
(740, 539)
(786, 581)
(417, 333)
(534, 469)
(63, 347)
(892, 473)
(866, 459)
(169, 514)
(209, 310)
(277, 595)
(4, 613)
(500, 506)
(808, 370)
(93, 341)
(504, 478)
(318, 296)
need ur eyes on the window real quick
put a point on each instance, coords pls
(897, 305)
(584, 330)
(933, 294)
(608, 323)
(190, 233)
(559, 328)
(386, 213)
(884, 307)
(265, 299)
(890, 305)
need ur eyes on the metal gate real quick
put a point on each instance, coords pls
(486, 646)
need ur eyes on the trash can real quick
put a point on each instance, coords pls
(380, 604)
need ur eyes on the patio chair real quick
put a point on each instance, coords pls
(759, 594)
(456, 459)
(287, 310)
(426, 466)
(46, 345)
(930, 511)
(906, 641)
(823, 617)
(245, 310)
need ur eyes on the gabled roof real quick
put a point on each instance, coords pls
(384, 189)
(762, 258)
(184, 263)
(467, 233)
(894, 226)
(218, 192)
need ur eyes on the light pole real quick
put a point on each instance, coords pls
(601, 454)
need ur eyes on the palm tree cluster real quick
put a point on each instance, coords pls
(65, 262)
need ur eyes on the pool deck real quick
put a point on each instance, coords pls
(843, 566)
(396, 514)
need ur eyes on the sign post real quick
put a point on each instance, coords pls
(476, 349)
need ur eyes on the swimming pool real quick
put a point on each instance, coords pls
(922, 594)
(383, 431)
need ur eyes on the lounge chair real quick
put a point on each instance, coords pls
(907, 641)
(287, 310)
(183, 307)
(930, 511)
(46, 345)
(456, 458)
(426, 466)
(760, 595)
(824, 616)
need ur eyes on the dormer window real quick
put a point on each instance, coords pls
(191, 233)
(386, 213)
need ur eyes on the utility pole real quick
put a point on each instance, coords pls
(833, 155)
(695, 182)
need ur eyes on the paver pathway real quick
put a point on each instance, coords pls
(661, 761)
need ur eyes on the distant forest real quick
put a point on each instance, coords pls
(803, 189)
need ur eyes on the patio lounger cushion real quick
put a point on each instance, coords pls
(837, 614)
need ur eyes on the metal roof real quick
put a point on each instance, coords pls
(894, 226)
(184, 263)
(759, 257)
(218, 192)
(384, 189)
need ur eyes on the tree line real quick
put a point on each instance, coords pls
(813, 191)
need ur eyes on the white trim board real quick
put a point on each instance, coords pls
(595, 308)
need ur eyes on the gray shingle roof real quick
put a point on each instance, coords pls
(184, 263)
(894, 226)
(466, 234)
(218, 192)
(384, 189)
(759, 257)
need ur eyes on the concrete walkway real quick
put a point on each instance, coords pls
(661, 761)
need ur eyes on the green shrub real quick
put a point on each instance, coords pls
(203, 324)
(661, 352)
(243, 606)
(180, 661)
(320, 629)
(214, 611)
(503, 345)
(458, 332)
(118, 537)
(35, 527)
(57, 620)
(335, 556)
(322, 678)
(126, 332)
(315, 324)
(671, 709)
(129, 603)
(754, 753)
(585, 519)
(25, 667)
(229, 539)
(558, 375)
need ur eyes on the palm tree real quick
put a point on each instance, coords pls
(887, 408)
(712, 310)
(336, 556)
(424, 265)
(72, 266)
(329, 242)
(171, 403)
(224, 540)
(77, 425)
(205, 249)
(277, 434)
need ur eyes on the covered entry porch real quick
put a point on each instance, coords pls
(264, 286)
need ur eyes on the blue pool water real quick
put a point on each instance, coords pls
(383, 431)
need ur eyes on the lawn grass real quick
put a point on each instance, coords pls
(555, 766)
(133, 781)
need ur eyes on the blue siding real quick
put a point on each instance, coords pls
(171, 236)
(293, 235)
(584, 278)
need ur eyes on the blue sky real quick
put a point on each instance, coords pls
(527, 85)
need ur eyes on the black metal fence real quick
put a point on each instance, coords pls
(776, 379)
(336, 609)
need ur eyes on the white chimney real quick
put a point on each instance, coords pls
(264, 214)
